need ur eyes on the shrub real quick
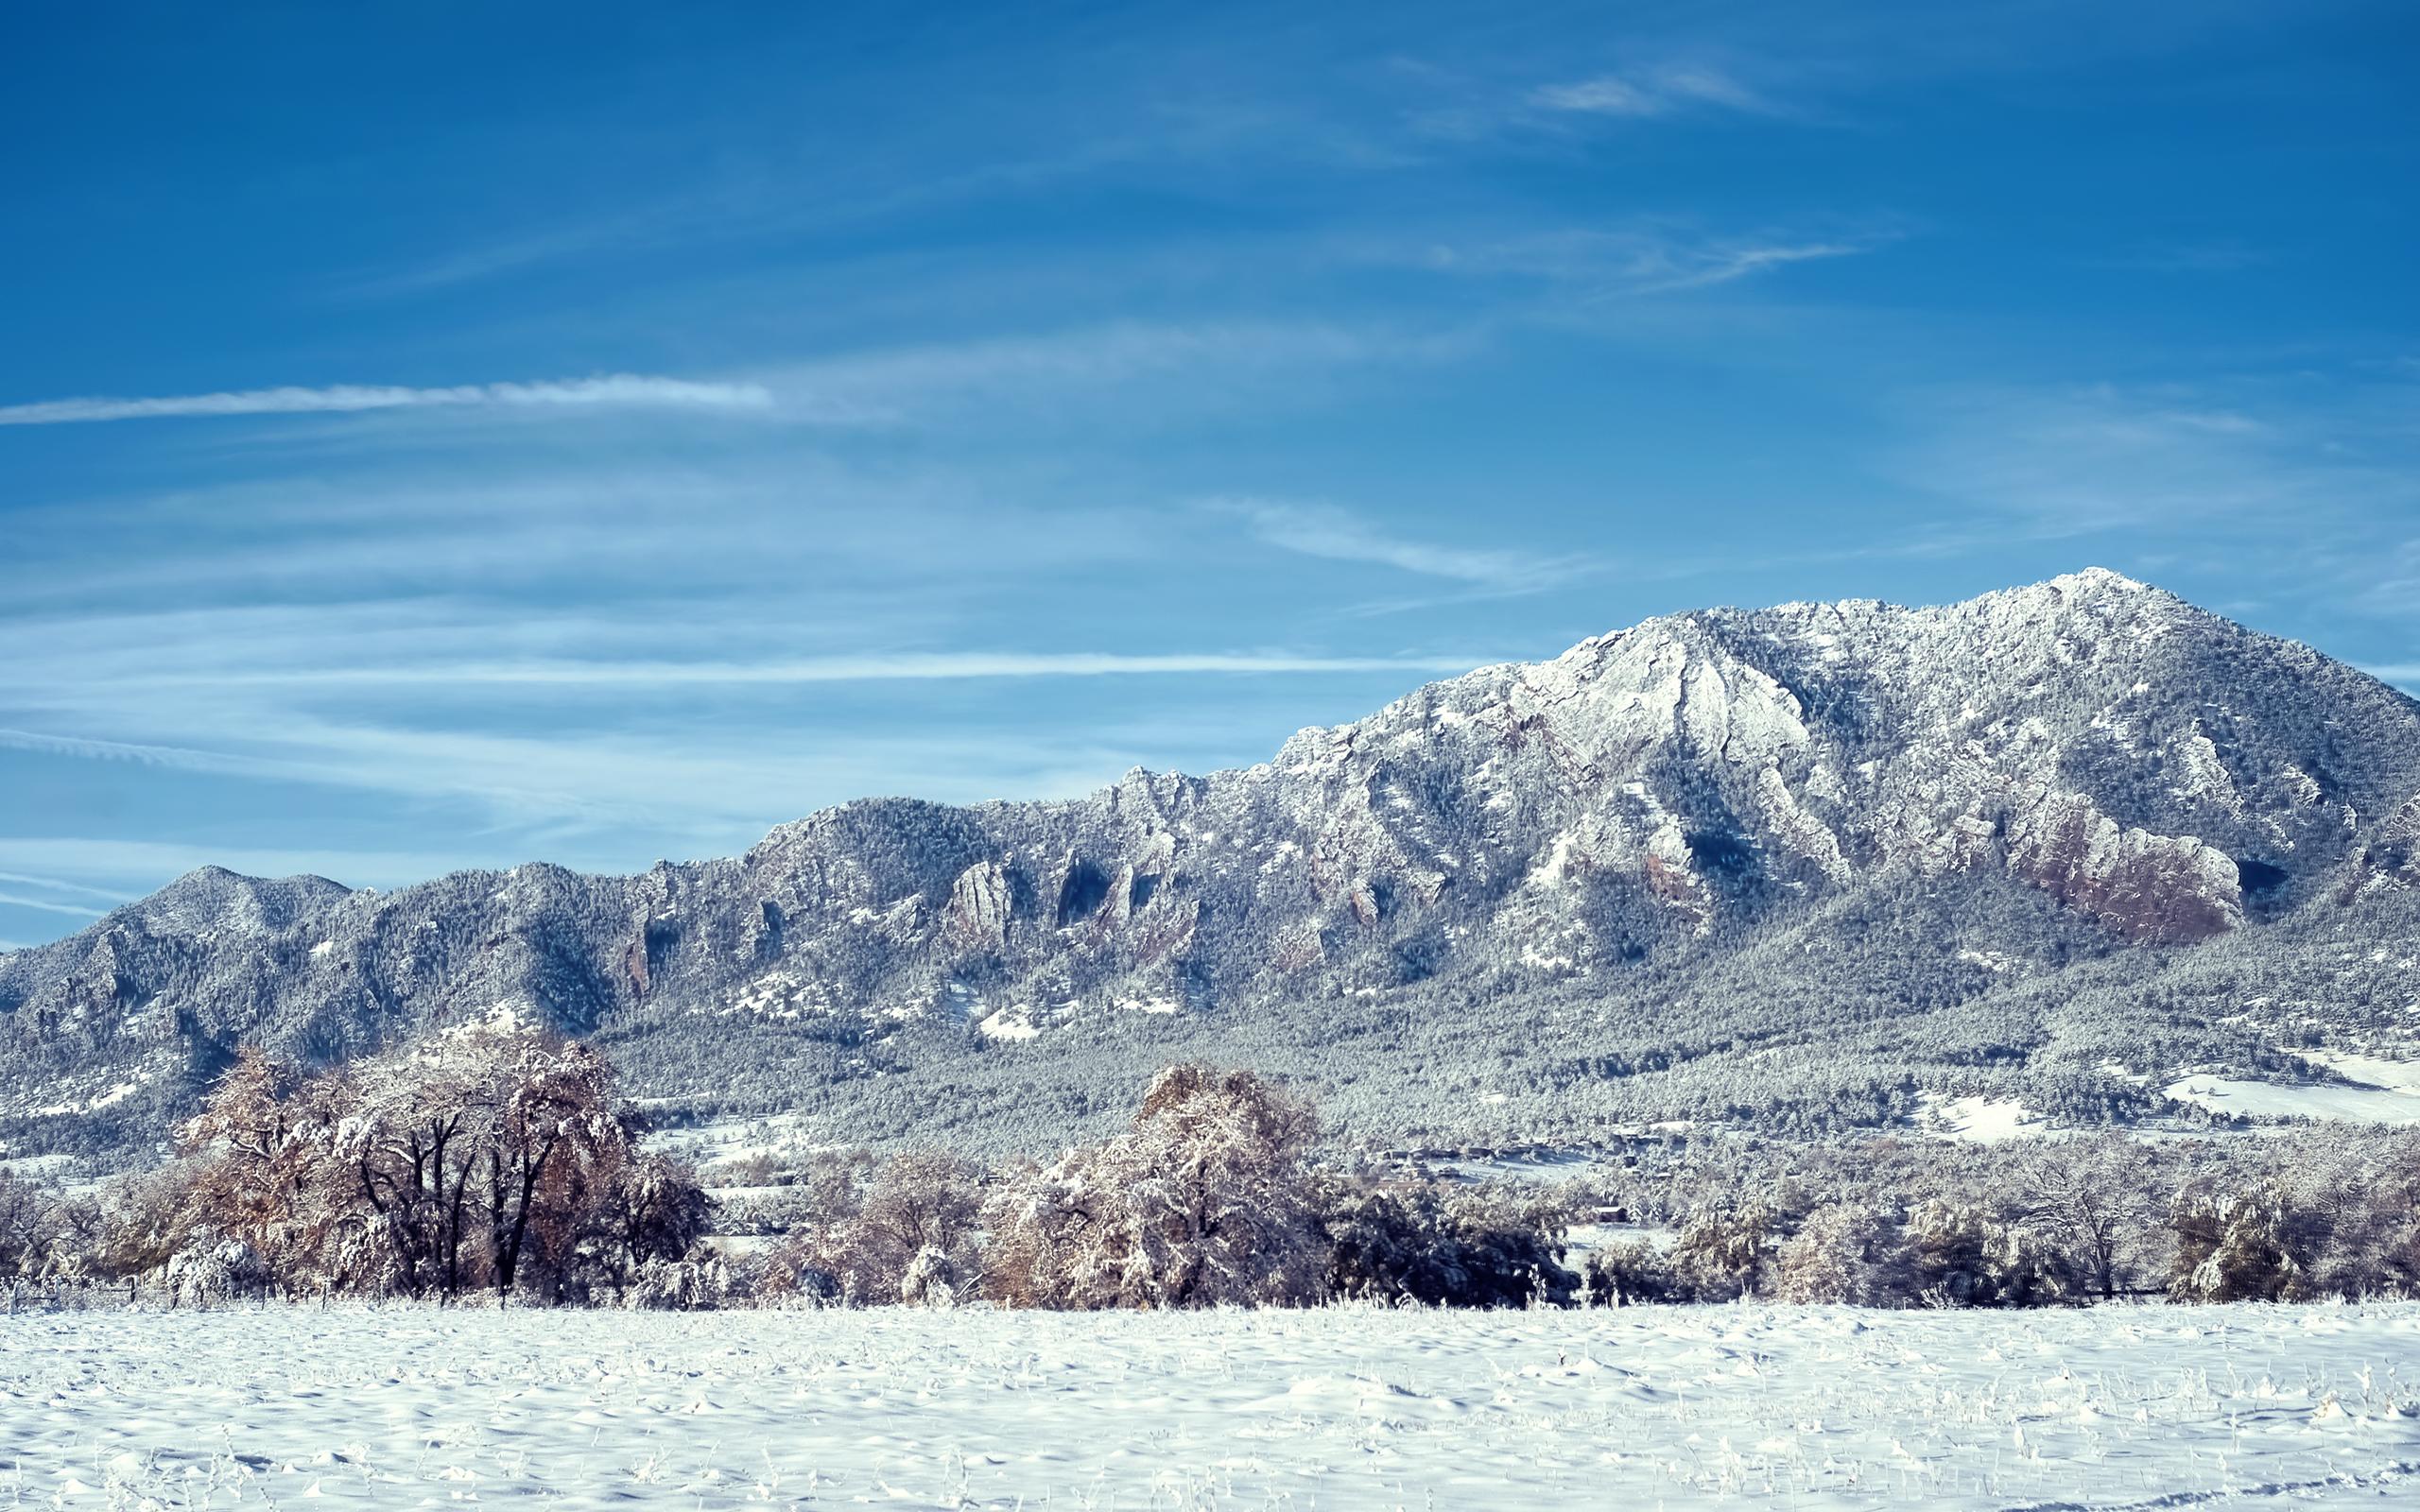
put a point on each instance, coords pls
(2249, 1245)
(1845, 1252)
(1629, 1272)
(1448, 1247)
(1725, 1253)
(1206, 1201)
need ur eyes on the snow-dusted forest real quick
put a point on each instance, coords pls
(498, 1162)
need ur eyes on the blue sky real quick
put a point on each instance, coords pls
(454, 435)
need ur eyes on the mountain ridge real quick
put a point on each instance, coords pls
(1570, 852)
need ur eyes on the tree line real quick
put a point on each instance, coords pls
(2307, 1216)
(497, 1161)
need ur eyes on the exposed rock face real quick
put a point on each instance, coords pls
(978, 907)
(2166, 888)
(1667, 793)
(2389, 853)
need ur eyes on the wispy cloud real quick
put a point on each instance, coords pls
(750, 201)
(901, 667)
(1721, 265)
(1646, 258)
(1150, 364)
(616, 390)
(2402, 674)
(554, 652)
(875, 388)
(700, 793)
(1650, 92)
(46, 905)
(61, 904)
(24, 879)
(2244, 452)
(435, 700)
(119, 751)
(139, 867)
(1337, 535)
(388, 553)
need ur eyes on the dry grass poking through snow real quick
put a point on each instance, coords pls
(1344, 1408)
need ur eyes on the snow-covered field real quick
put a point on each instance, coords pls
(2382, 1091)
(1637, 1408)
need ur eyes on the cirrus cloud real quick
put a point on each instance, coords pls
(1653, 92)
(620, 389)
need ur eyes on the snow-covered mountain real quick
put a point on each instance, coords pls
(1821, 858)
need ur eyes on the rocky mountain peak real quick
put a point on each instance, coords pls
(2082, 766)
(213, 897)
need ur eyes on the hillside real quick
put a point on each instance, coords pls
(1793, 867)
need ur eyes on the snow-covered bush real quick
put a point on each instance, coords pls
(1207, 1200)
(2363, 1210)
(931, 1279)
(144, 1219)
(648, 1209)
(925, 1206)
(786, 1275)
(2253, 1245)
(1631, 1271)
(1968, 1254)
(25, 1218)
(859, 1227)
(47, 1237)
(1725, 1253)
(689, 1285)
(1845, 1252)
(215, 1272)
(1448, 1247)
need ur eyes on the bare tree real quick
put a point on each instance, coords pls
(263, 1172)
(36, 1229)
(433, 1169)
(416, 1126)
(2091, 1199)
(922, 1199)
(648, 1208)
(554, 1128)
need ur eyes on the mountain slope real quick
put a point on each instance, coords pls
(1796, 864)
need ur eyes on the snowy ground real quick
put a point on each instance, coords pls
(1976, 1120)
(1638, 1408)
(2384, 1092)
